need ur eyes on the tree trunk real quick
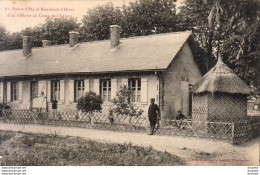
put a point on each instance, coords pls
(209, 57)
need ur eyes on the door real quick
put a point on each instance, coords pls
(34, 95)
(38, 94)
(42, 94)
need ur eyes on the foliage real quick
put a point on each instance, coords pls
(6, 135)
(3, 37)
(55, 30)
(123, 105)
(142, 17)
(50, 150)
(95, 24)
(3, 106)
(89, 103)
(226, 27)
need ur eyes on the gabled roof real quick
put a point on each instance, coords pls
(154, 52)
(221, 79)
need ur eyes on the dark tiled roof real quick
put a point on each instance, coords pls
(154, 52)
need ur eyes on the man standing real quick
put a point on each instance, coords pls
(153, 114)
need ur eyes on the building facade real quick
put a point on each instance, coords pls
(158, 66)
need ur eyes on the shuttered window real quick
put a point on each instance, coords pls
(55, 89)
(14, 91)
(34, 86)
(78, 89)
(135, 86)
(106, 90)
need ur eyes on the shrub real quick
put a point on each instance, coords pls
(3, 106)
(123, 104)
(90, 102)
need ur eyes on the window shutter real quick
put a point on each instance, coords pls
(8, 91)
(113, 88)
(48, 91)
(86, 86)
(71, 90)
(1, 92)
(124, 81)
(42, 89)
(96, 86)
(62, 90)
(144, 90)
(185, 97)
(20, 89)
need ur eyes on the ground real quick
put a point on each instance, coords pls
(28, 149)
(194, 151)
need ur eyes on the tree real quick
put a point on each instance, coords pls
(229, 28)
(14, 41)
(123, 105)
(35, 33)
(95, 24)
(57, 30)
(142, 17)
(3, 37)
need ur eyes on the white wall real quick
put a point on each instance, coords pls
(69, 106)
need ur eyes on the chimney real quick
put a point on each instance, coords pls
(27, 46)
(46, 43)
(114, 35)
(74, 38)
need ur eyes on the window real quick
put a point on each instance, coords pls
(34, 85)
(106, 90)
(135, 86)
(78, 89)
(55, 89)
(14, 91)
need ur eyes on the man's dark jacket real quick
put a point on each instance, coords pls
(152, 111)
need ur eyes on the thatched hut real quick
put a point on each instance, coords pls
(219, 96)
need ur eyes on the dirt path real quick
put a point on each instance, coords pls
(193, 150)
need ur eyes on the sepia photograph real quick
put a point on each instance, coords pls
(129, 83)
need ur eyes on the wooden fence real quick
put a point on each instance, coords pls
(245, 130)
(233, 132)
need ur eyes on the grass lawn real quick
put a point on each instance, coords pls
(27, 149)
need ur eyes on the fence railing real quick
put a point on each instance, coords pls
(253, 113)
(246, 129)
(121, 123)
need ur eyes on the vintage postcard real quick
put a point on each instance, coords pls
(129, 83)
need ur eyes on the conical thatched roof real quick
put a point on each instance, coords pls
(221, 79)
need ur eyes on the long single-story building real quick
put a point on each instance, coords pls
(160, 66)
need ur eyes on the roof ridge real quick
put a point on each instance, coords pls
(159, 34)
(99, 41)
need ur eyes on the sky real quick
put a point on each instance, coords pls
(17, 15)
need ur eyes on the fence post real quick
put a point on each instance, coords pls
(233, 133)
(3, 114)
